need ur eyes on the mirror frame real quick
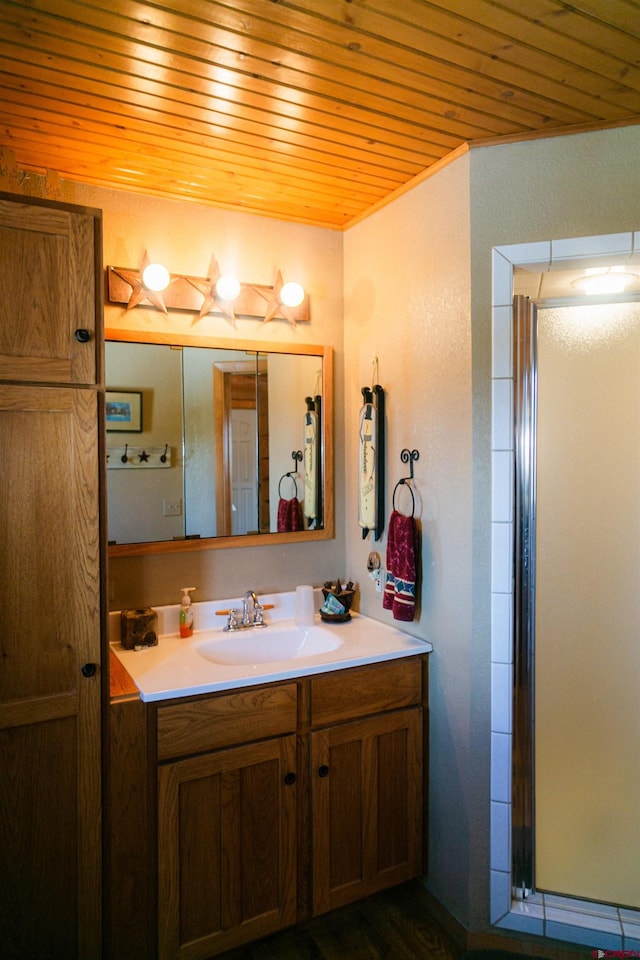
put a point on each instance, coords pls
(253, 539)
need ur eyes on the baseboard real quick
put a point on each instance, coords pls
(498, 940)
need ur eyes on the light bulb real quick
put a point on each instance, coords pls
(227, 287)
(602, 281)
(292, 294)
(156, 277)
(609, 283)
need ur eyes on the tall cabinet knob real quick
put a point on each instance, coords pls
(82, 335)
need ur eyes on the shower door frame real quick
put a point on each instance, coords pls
(603, 925)
(525, 410)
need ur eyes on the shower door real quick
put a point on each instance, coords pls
(577, 716)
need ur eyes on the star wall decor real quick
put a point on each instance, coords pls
(139, 293)
(275, 305)
(207, 288)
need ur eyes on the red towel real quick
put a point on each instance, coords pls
(403, 551)
(289, 515)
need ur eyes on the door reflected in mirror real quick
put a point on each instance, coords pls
(224, 450)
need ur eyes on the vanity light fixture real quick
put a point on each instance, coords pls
(141, 282)
(216, 293)
(219, 291)
(292, 294)
(283, 299)
(156, 277)
(228, 287)
(601, 280)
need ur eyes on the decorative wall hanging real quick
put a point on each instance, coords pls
(371, 499)
(313, 505)
(202, 295)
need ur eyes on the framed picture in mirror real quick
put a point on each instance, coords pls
(123, 411)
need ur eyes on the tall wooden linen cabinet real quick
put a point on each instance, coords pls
(51, 563)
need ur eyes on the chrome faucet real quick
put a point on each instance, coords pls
(249, 597)
(252, 614)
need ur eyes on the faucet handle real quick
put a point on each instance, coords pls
(258, 614)
(232, 620)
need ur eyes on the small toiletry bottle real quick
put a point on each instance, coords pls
(186, 613)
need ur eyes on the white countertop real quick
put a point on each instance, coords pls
(175, 668)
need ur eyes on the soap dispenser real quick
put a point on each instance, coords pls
(186, 613)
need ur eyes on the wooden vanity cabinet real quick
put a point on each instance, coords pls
(274, 803)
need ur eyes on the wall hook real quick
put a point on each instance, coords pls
(409, 456)
(124, 455)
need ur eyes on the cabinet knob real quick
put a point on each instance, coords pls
(82, 335)
(89, 669)
(323, 770)
(289, 778)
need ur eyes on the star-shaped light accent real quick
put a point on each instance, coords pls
(139, 292)
(208, 290)
(275, 306)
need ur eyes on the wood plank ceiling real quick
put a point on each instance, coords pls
(314, 111)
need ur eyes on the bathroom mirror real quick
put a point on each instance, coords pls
(236, 445)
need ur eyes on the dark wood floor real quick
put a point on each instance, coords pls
(393, 925)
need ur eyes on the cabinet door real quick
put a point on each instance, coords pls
(227, 848)
(48, 303)
(50, 827)
(367, 806)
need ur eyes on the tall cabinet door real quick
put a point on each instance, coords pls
(48, 305)
(50, 824)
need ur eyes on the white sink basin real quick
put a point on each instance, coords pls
(268, 644)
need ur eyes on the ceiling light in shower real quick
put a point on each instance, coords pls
(599, 280)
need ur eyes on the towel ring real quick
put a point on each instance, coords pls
(407, 456)
(296, 456)
(400, 483)
(284, 476)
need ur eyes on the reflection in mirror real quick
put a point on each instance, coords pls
(215, 458)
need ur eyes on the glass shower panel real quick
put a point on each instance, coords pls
(587, 605)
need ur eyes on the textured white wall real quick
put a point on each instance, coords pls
(408, 301)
